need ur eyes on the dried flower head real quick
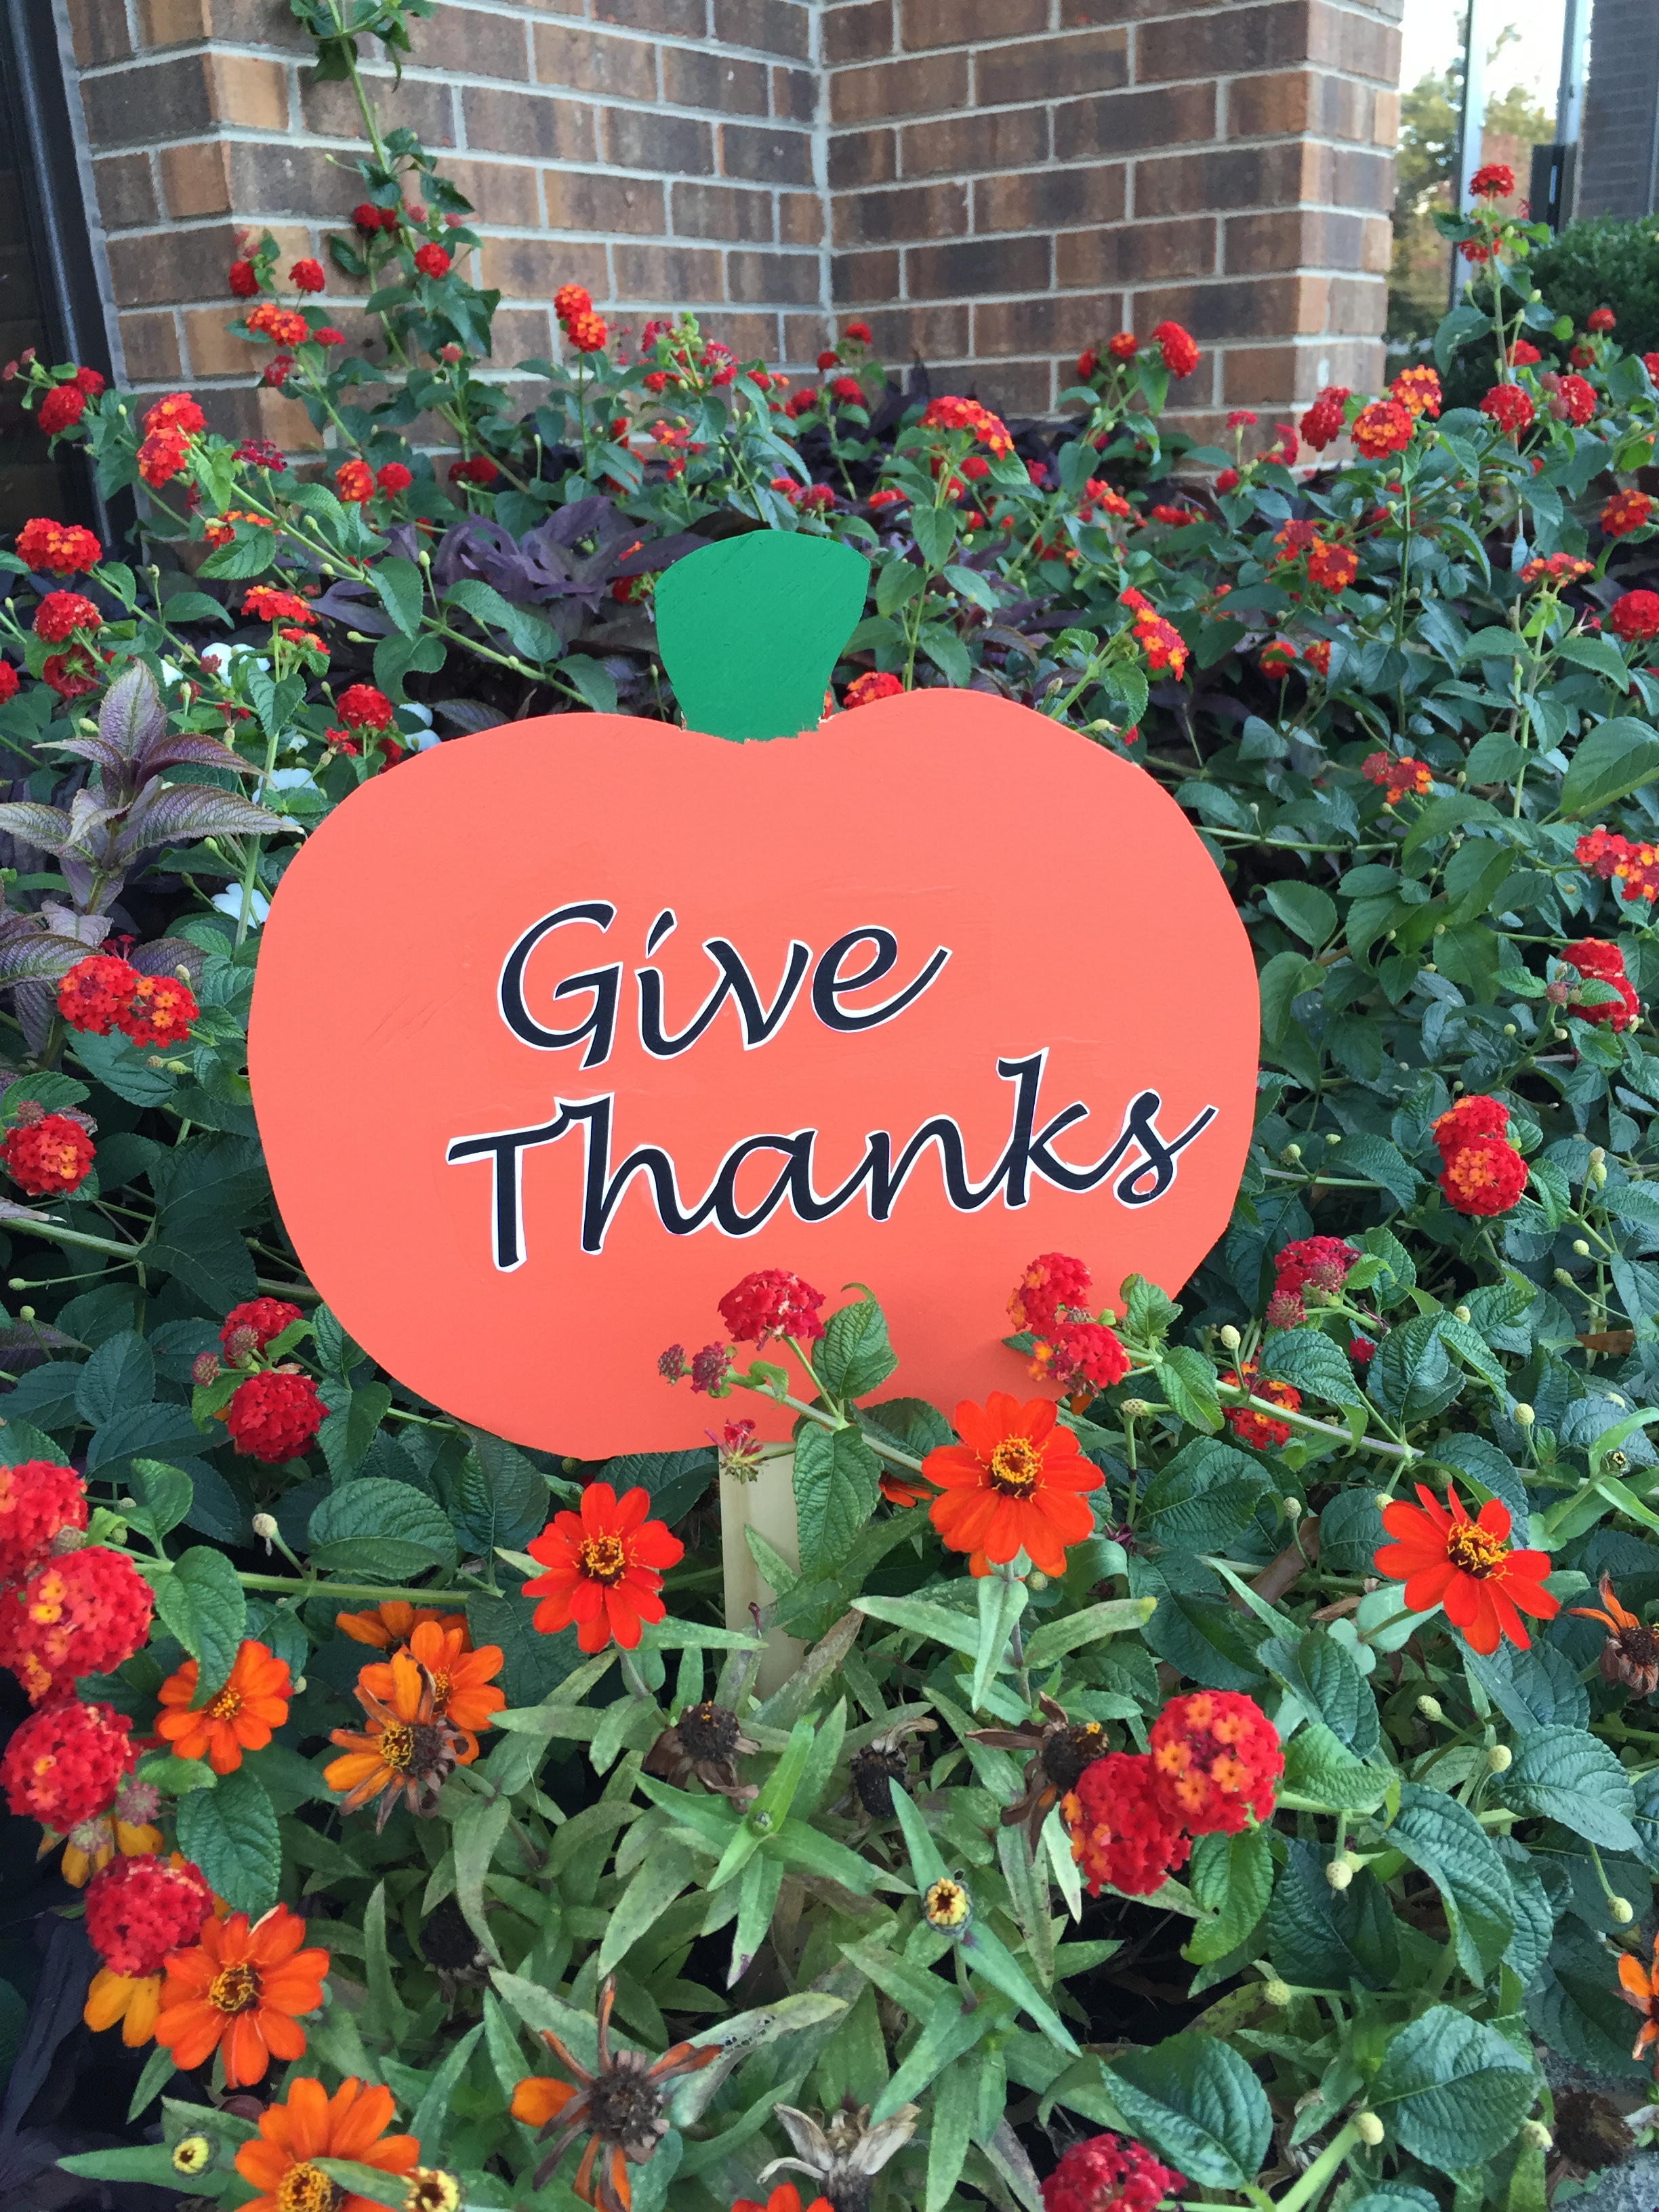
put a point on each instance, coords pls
(706, 1742)
(843, 2154)
(1060, 1750)
(406, 1753)
(1630, 1654)
(883, 1761)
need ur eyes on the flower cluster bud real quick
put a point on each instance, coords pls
(1523, 1416)
(1276, 1993)
(1369, 2129)
(1622, 1910)
(1431, 1709)
(1339, 1873)
(1499, 1757)
(1536, 2136)
(1230, 1338)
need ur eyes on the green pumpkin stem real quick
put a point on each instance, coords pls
(750, 628)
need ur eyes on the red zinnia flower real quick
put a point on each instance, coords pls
(605, 1568)
(47, 1154)
(1510, 407)
(772, 1302)
(1180, 353)
(65, 548)
(875, 683)
(1121, 1837)
(1217, 1757)
(1635, 616)
(1015, 1483)
(60, 614)
(1485, 1176)
(85, 1613)
(65, 1763)
(38, 1498)
(1109, 2173)
(1445, 1559)
(273, 1416)
(311, 2124)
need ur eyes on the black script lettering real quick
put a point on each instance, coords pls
(829, 985)
(605, 984)
(759, 1023)
(505, 1149)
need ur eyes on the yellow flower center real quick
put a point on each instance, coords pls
(307, 2188)
(234, 1989)
(398, 1746)
(225, 1706)
(602, 1559)
(945, 1904)
(440, 1686)
(1475, 1551)
(1015, 1466)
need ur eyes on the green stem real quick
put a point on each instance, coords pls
(1310, 2185)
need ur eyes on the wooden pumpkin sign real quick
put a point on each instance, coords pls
(561, 1029)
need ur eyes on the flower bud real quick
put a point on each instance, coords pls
(26, 1313)
(1367, 2128)
(17, 1283)
(265, 1526)
(204, 1369)
(1134, 1408)
(1338, 1874)
(1563, 1279)
(1523, 1416)
(1536, 2136)
(1290, 1154)
(192, 2155)
(1293, 1509)
(1597, 1154)
(1510, 1029)
(1230, 1337)
(1499, 1757)
(1276, 1992)
(1462, 1313)
(1598, 1174)
(1622, 1910)
(1581, 1248)
(1431, 1709)
(1333, 1136)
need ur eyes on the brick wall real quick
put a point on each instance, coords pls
(1011, 178)
(992, 183)
(1620, 148)
(659, 151)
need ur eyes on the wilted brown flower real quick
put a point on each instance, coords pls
(706, 1741)
(407, 1751)
(453, 1951)
(620, 2109)
(842, 2155)
(1630, 1654)
(1060, 1750)
(884, 1760)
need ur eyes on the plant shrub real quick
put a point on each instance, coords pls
(1255, 1843)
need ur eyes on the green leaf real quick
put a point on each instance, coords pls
(1286, 976)
(231, 1833)
(1323, 1938)
(855, 1356)
(1196, 2101)
(837, 1482)
(1304, 910)
(921, 1616)
(1444, 1838)
(1453, 2090)
(403, 590)
(934, 529)
(1318, 1765)
(1566, 1774)
(1610, 763)
(499, 1497)
(657, 1881)
(383, 1530)
(119, 1375)
(597, 685)
(165, 1493)
(1002, 1599)
(202, 1602)
(1056, 1638)
(1231, 1876)
(1308, 1359)
(1187, 1381)
(431, 2114)
(117, 1063)
(1207, 1496)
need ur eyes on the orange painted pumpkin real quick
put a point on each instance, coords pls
(561, 1029)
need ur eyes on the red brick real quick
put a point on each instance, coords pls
(100, 33)
(674, 19)
(858, 278)
(641, 138)
(417, 105)
(1036, 69)
(169, 265)
(533, 124)
(150, 344)
(718, 211)
(800, 218)
(794, 94)
(501, 192)
(790, 279)
(929, 84)
(907, 211)
(214, 351)
(296, 181)
(196, 179)
(1049, 199)
(1224, 41)
(1236, 177)
(1354, 43)
(126, 191)
(1253, 307)
(1131, 122)
(1287, 237)
(804, 338)
(587, 62)
(861, 33)
(751, 337)
(121, 110)
(863, 157)
(962, 22)
(466, 40)
(693, 77)
(1005, 138)
(1012, 388)
(919, 332)
(772, 154)
(774, 27)
(1059, 323)
(1137, 252)
(677, 274)
(1296, 101)
(534, 267)
(978, 266)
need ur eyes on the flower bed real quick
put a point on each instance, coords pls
(1218, 1765)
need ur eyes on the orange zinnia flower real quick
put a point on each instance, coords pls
(603, 1568)
(407, 1750)
(1639, 1987)
(311, 2125)
(462, 1689)
(1445, 1559)
(241, 1987)
(1012, 1485)
(239, 1717)
(391, 1622)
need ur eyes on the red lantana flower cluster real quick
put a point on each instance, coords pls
(950, 413)
(1626, 513)
(1397, 776)
(1072, 1348)
(84, 1613)
(1594, 957)
(1557, 569)
(1383, 428)
(875, 683)
(1247, 1423)
(1483, 1173)
(1508, 407)
(1326, 420)
(1418, 389)
(139, 1909)
(274, 1415)
(772, 1302)
(1319, 1264)
(101, 993)
(1634, 868)
(63, 549)
(47, 1154)
(250, 1326)
(66, 1764)
(1635, 618)
(38, 1499)
(60, 614)
(1109, 2173)
(1213, 1766)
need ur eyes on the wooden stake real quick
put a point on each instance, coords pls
(767, 1506)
